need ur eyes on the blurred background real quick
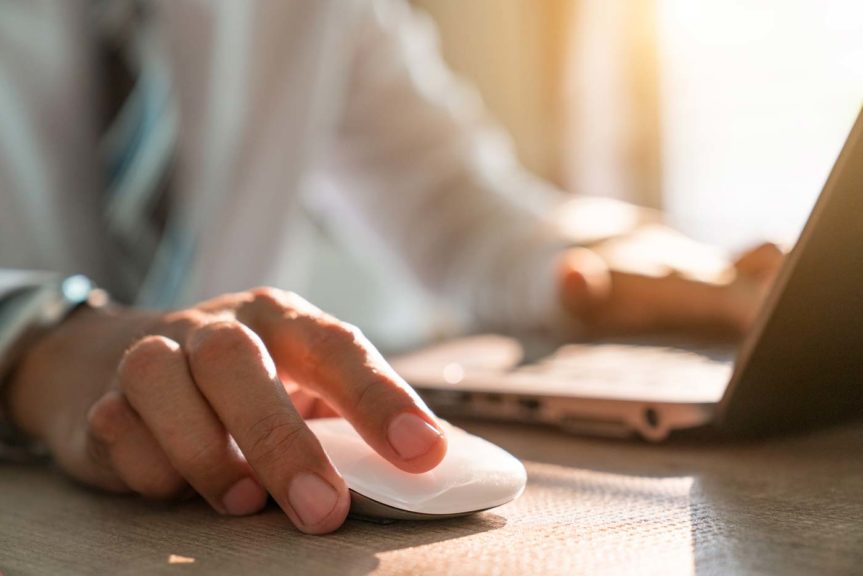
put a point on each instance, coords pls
(725, 114)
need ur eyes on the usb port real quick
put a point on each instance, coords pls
(531, 404)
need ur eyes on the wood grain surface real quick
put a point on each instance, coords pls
(788, 505)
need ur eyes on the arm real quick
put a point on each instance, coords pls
(441, 185)
(210, 398)
(148, 402)
(438, 182)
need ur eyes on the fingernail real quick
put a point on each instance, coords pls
(244, 498)
(312, 498)
(411, 436)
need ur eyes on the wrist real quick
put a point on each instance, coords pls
(41, 392)
(29, 313)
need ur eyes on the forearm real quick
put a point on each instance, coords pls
(504, 268)
(438, 180)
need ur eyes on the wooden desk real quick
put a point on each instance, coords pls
(791, 505)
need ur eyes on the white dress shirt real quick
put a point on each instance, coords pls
(290, 111)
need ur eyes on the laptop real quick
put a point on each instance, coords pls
(800, 365)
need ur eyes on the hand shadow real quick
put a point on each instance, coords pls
(266, 543)
(53, 525)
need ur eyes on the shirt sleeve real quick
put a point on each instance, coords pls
(14, 281)
(437, 180)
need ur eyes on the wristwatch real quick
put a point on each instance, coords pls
(25, 316)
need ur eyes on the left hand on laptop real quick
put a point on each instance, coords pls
(654, 278)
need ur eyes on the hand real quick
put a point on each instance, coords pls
(201, 398)
(656, 279)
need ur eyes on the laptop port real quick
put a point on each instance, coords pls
(446, 397)
(531, 404)
(651, 416)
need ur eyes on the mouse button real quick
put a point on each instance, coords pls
(372, 475)
(367, 472)
(489, 475)
(474, 496)
(376, 478)
(341, 443)
(475, 475)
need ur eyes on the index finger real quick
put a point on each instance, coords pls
(233, 370)
(335, 360)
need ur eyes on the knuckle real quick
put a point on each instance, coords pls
(208, 460)
(274, 435)
(381, 393)
(295, 302)
(262, 305)
(352, 332)
(330, 342)
(268, 295)
(160, 483)
(142, 361)
(291, 299)
(218, 339)
(371, 396)
(184, 321)
(108, 417)
(336, 336)
(269, 302)
(328, 339)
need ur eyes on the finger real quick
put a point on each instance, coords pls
(761, 261)
(321, 409)
(338, 363)
(309, 405)
(585, 283)
(233, 369)
(641, 304)
(132, 451)
(155, 376)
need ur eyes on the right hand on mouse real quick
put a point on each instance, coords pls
(201, 398)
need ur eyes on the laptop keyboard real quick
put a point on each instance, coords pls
(658, 371)
(630, 371)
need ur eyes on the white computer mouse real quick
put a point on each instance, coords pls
(475, 475)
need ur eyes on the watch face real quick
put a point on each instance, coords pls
(76, 289)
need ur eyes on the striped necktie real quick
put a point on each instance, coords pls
(139, 143)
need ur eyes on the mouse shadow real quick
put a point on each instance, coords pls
(378, 537)
(354, 549)
(267, 543)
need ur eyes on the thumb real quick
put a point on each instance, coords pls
(584, 281)
(81, 448)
